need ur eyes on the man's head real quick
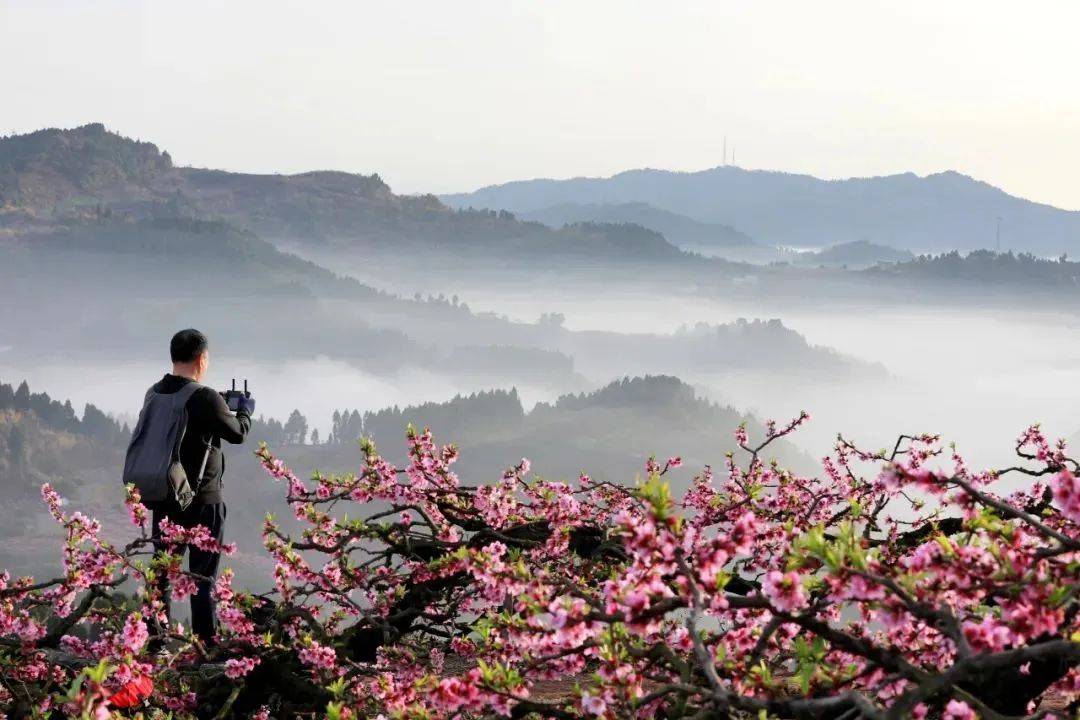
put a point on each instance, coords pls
(190, 354)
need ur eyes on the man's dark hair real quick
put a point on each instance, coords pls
(187, 345)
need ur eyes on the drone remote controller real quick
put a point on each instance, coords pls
(232, 396)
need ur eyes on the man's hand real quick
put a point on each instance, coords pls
(246, 405)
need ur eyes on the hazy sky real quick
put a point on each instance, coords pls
(451, 95)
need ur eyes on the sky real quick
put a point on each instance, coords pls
(448, 96)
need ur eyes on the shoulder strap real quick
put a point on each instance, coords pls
(184, 394)
(181, 397)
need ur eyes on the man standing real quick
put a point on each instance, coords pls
(209, 421)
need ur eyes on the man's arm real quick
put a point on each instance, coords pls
(222, 423)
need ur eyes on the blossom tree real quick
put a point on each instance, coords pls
(897, 583)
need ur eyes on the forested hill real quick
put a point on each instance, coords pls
(984, 267)
(856, 254)
(44, 440)
(60, 416)
(936, 213)
(65, 177)
(59, 174)
(608, 432)
(228, 260)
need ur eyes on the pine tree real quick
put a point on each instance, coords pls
(296, 428)
(22, 397)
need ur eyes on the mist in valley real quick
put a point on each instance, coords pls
(976, 376)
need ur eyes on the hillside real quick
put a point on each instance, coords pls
(608, 432)
(60, 177)
(936, 213)
(44, 440)
(59, 172)
(685, 232)
(219, 249)
(130, 281)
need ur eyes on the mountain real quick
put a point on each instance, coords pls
(62, 171)
(685, 232)
(936, 213)
(60, 174)
(57, 177)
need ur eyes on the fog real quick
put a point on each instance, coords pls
(978, 377)
(315, 387)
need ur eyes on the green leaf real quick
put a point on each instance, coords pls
(337, 688)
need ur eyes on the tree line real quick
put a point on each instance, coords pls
(990, 266)
(61, 417)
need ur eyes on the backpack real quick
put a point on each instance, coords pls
(152, 463)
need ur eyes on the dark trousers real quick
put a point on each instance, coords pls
(200, 562)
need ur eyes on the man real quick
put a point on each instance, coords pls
(209, 421)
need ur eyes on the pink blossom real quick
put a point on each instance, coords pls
(236, 668)
(593, 704)
(319, 657)
(958, 710)
(784, 590)
(989, 635)
(135, 634)
(1066, 489)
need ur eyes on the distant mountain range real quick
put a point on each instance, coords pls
(57, 176)
(89, 174)
(90, 198)
(937, 213)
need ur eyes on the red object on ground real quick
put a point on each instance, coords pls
(133, 692)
